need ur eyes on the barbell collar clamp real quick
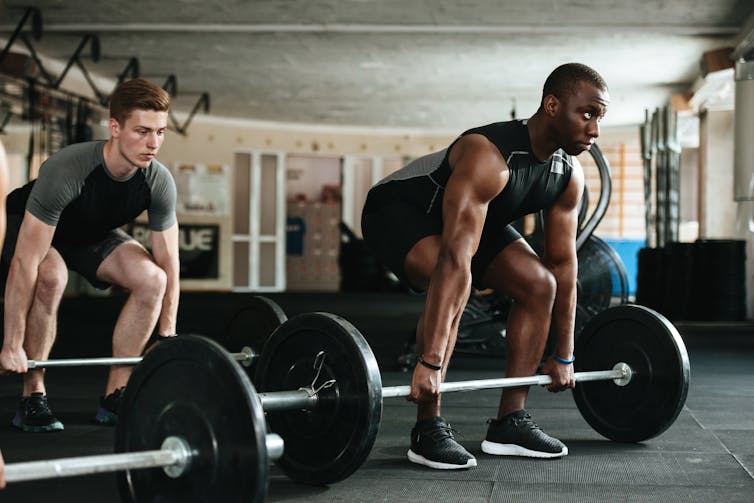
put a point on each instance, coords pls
(183, 459)
(275, 446)
(288, 400)
(626, 370)
(246, 357)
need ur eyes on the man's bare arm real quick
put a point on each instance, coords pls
(33, 244)
(165, 253)
(561, 222)
(479, 174)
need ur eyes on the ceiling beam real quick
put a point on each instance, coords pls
(688, 30)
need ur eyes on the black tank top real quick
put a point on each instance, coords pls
(532, 185)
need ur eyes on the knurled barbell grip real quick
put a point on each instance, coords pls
(82, 362)
(175, 452)
(302, 399)
(617, 373)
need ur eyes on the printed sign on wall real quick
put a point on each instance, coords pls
(197, 247)
(202, 188)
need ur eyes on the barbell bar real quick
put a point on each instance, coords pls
(245, 357)
(174, 457)
(306, 398)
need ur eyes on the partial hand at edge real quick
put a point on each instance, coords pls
(13, 361)
(561, 374)
(425, 385)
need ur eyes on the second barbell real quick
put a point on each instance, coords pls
(244, 337)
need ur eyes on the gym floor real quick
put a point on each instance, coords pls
(706, 455)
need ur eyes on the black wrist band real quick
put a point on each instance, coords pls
(163, 337)
(428, 365)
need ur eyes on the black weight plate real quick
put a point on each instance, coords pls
(190, 387)
(329, 443)
(652, 347)
(252, 324)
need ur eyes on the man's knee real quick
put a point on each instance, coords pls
(421, 261)
(540, 288)
(52, 277)
(151, 284)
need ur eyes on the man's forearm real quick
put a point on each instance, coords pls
(564, 311)
(447, 294)
(19, 291)
(169, 313)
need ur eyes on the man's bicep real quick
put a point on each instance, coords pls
(477, 178)
(561, 220)
(560, 235)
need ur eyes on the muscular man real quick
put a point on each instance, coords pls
(69, 217)
(442, 225)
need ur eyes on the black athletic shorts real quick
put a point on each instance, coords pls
(84, 259)
(391, 228)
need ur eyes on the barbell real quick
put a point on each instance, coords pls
(191, 410)
(321, 390)
(260, 314)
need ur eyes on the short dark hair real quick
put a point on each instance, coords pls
(562, 81)
(137, 94)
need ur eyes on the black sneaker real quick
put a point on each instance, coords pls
(34, 415)
(433, 445)
(517, 435)
(107, 412)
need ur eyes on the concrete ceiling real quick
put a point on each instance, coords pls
(440, 65)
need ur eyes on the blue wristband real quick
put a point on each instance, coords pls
(563, 360)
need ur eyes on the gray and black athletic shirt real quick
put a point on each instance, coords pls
(532, 184)
(76, 193)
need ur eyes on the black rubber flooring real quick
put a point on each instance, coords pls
(706, 455)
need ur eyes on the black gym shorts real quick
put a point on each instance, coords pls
(84, 259)
(391, 228)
